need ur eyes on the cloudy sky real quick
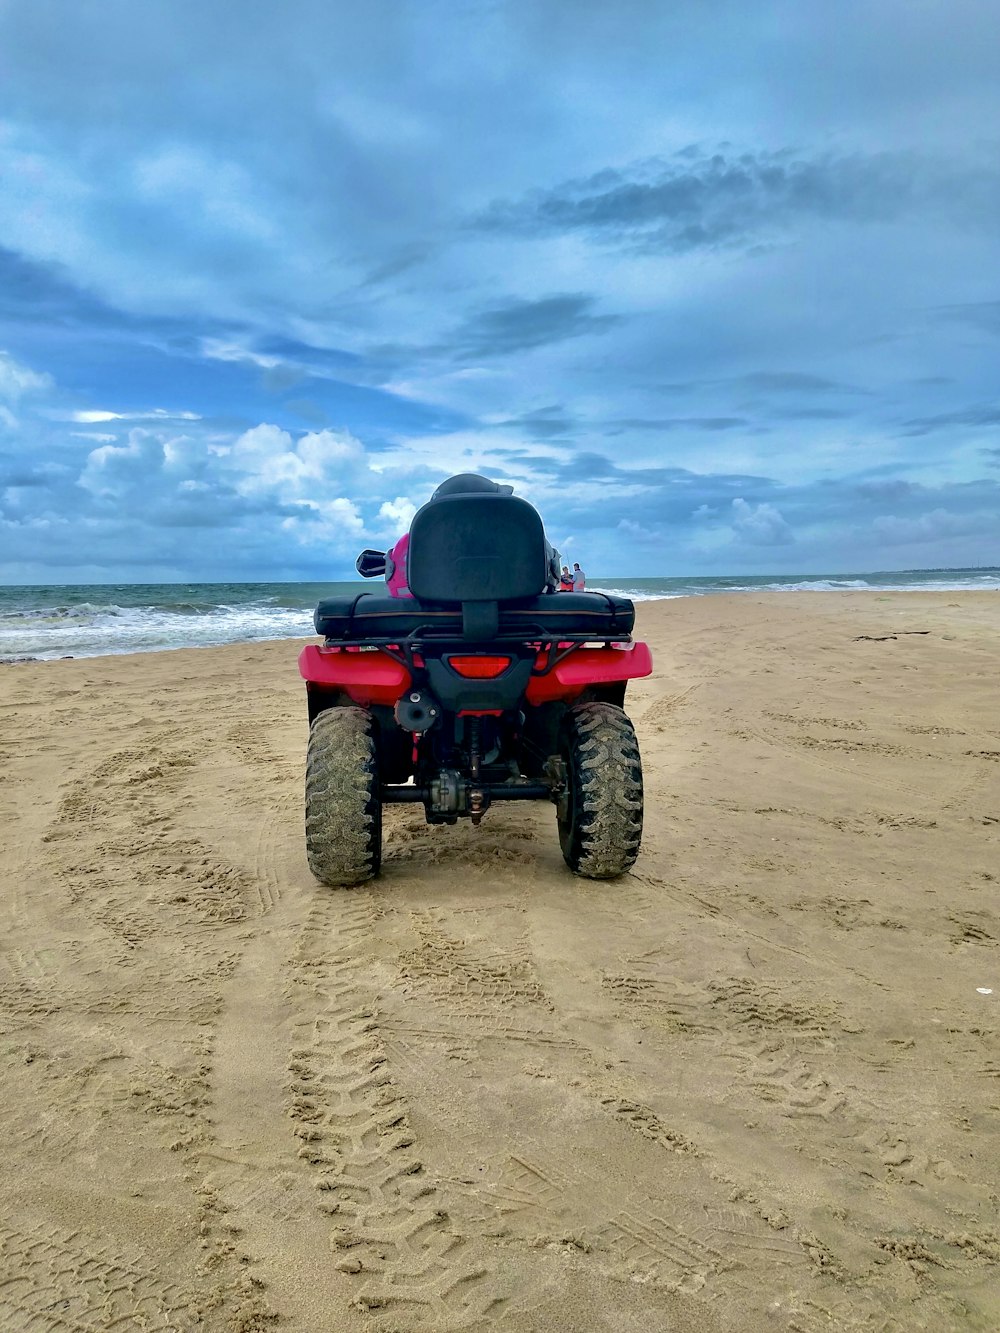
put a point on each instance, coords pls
(715, 285)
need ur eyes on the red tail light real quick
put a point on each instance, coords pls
(479, 668)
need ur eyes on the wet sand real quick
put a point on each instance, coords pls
(751, 1086)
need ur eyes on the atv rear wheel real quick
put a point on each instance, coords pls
(600, 813)
(343, 810)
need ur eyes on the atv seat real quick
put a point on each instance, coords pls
(477, 548)
(478, 553)
(547, 616)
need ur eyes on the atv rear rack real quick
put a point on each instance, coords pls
(526, 639)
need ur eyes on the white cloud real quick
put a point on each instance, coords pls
(328, 452)
(96, 416)
(931, 526)
(270, 460)
(17, 379)
(335, 523)
(342, 515)
(261, 441)
(113, 470)
(217, 350)
(221, 192)
(761, 525)
(184, 454)
(638, 532)
(397, 514)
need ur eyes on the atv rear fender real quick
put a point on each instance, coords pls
(370, 676)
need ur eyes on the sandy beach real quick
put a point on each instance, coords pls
(751, 1086)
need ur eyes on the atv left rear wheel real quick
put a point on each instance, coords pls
(600, 813)
(343, 810)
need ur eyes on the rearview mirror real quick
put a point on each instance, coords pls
(370, 564)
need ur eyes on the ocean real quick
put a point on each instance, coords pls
(92, 620)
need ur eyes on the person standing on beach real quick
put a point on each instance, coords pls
(565, 580)
(579, 578)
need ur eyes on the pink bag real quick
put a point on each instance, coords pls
(395, 568)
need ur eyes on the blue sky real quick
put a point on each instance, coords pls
(715, 285)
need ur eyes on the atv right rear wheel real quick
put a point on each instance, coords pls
(600, 813)
(343, 810)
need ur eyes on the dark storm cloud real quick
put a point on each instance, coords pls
(791, 381)
(969, 416)
(616, 425)
(306, 355)
(544, 423)
(699, 200)
(715, 518)
(36, 292)
(981, 314)
(30, 290)
(44, 295)
(763, 384)
(531, 457)
(880, 491)
(588, 466)
(18, 473)
(220, 508)
(307, 410)
(808, 414)
(395, 266)
(520, 325)
(591, 466)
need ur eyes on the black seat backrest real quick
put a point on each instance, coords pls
(477, 551)
(476, 548)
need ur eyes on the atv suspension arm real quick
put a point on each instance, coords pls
(522, 791)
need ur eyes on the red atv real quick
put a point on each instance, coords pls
(484, 685)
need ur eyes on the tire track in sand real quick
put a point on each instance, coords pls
(392, 1232)
(167, 920)
(53, 1280)
(462, 1012)
(253, 1163)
